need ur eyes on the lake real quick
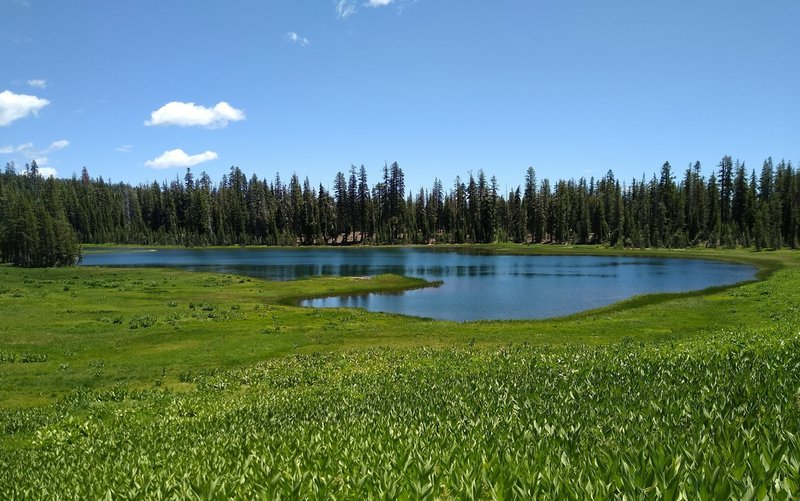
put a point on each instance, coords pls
(475, 286)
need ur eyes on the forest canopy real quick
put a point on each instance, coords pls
(44, 221)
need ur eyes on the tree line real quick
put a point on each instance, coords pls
(43, 222)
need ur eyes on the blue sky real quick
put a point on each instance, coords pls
(572, 88)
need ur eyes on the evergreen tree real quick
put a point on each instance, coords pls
(42, 222)
(531, 203)
(714, 217)
(740, 205)
(352, 202)
(342, 205)
(363, 203)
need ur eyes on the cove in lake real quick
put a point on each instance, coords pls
(475, 286)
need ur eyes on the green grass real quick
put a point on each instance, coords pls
(709, 418)
(161, 382)
(150, 325)
(99, 327)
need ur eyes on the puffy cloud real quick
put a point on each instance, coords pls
(297, 39)
(345, 9)
(179, 158)
(42, 169)
(38, 83)
(16, 106)
(378, 3)
(190, 114)
(46, 172)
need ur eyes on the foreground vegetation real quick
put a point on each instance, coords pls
(164, 383)
(705, 418)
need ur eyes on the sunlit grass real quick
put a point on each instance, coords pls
(141, 321)
(162, 382)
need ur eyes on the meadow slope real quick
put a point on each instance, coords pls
(160, 383)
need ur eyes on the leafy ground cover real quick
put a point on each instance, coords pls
(161, 383)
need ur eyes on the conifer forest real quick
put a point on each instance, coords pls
(43, 222)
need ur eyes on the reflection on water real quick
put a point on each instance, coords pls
(475, 285)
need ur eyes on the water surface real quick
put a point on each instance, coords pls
(474, 286)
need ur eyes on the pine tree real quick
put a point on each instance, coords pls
(740, 205)
(363, 203)
(352, 202)
(531, 203)
(714, 218)
(342, 205)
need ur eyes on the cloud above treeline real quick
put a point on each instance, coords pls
(30, 152)
(58, 145)
(179, 158)
(40, 156)
(4, 150)
(46, 172)
(193, 115)
(15, 106)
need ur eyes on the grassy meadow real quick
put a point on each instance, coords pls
(163, 383)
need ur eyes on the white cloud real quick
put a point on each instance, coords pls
(179, 158)
(58, 145)
(16, 106)
(125, 148)
(39, 156)
(42, 168)
(38, 83)
(297, 39)
(46, 172)
(190, 114)
(28, 150)
(345, 9)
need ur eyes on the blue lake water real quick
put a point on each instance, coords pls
(475, 286)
